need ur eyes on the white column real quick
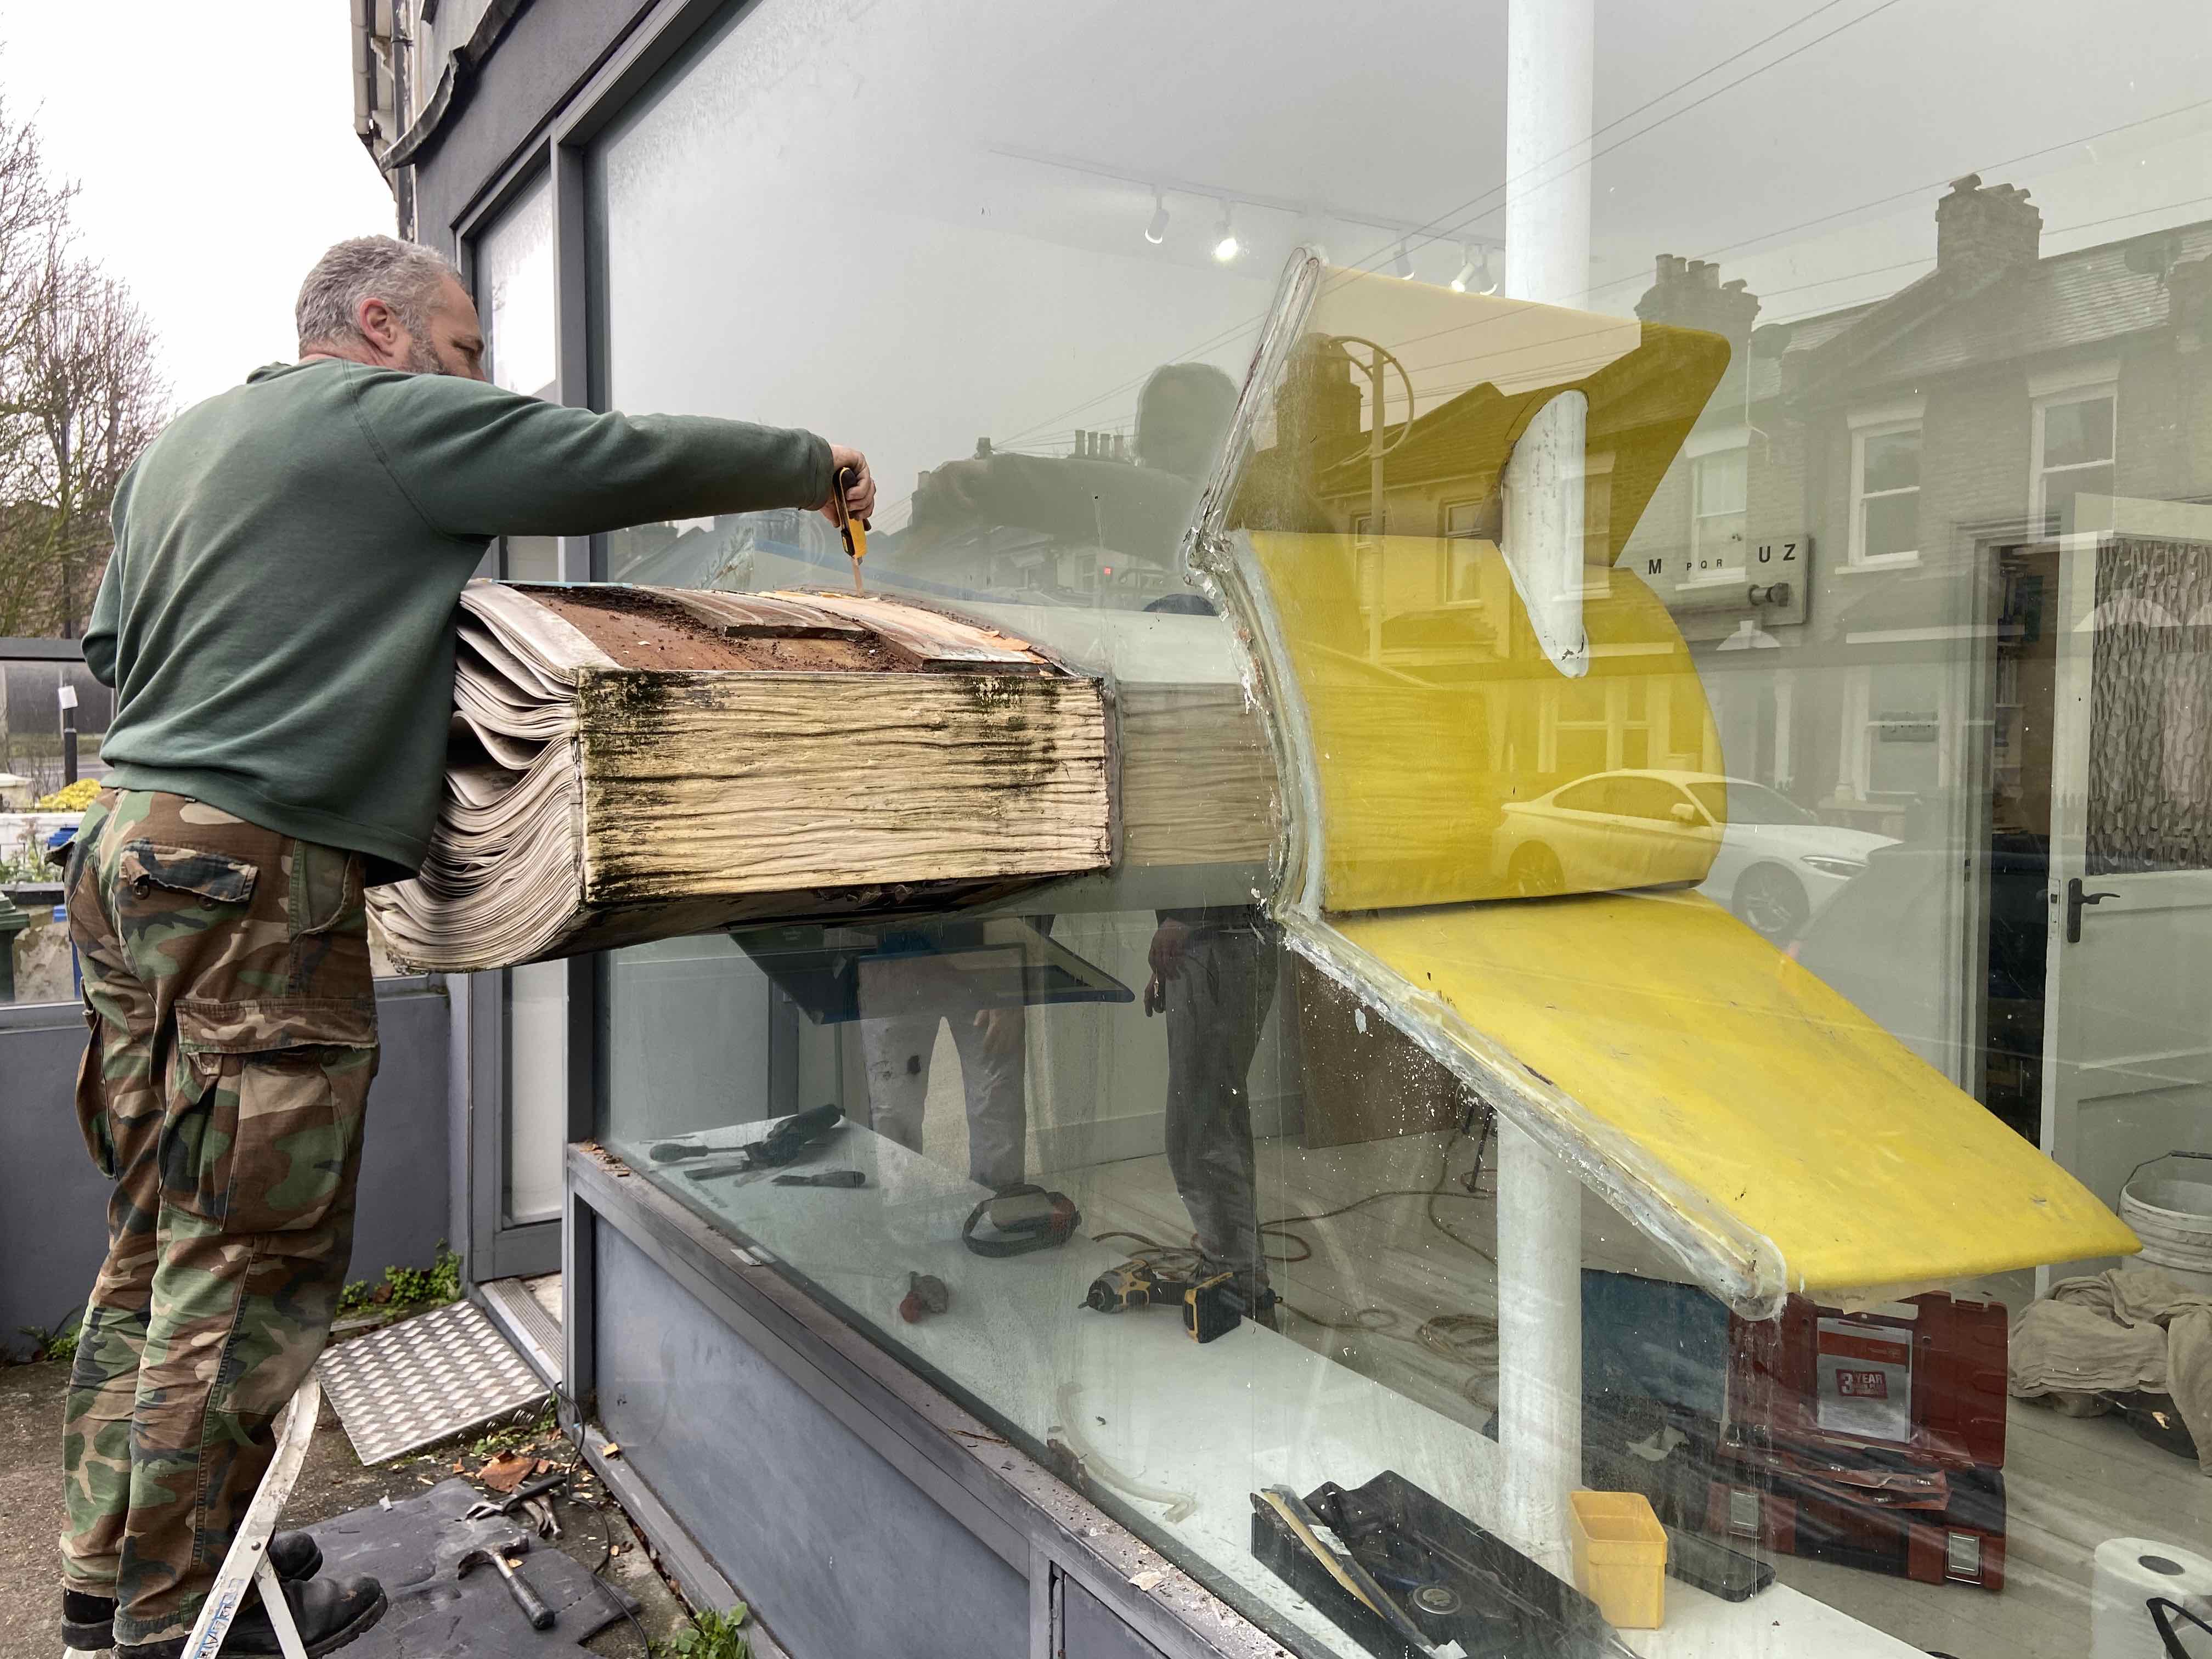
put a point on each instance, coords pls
(1549, 48)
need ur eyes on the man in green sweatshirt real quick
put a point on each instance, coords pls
(277, 622)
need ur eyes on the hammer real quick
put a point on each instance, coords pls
(525, 1595)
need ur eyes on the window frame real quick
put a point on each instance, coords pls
(1700, 516)
(2041, 404)
(1449, 567)
(1859, 558)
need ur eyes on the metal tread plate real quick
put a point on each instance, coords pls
(424, 1379)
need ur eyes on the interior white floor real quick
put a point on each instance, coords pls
(2071, 1484)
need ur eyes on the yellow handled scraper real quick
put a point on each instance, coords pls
(855, 531)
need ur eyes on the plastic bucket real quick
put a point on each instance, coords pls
(2173, 1218)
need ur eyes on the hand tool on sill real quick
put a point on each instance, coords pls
(1210, 1303)
(782, 1144)
(519, 1497)
(926, 1294)
(1406, 1574)
(855, 531)
(524, 1593)
(541, 1514)
(824, 1178)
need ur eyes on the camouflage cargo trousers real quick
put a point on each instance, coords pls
(228, 991)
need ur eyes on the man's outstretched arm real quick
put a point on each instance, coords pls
(477, 460)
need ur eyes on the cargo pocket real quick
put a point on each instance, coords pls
(92, 1098)
(187, 872)
(267, 1142)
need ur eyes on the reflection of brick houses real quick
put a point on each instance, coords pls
(1918, 441)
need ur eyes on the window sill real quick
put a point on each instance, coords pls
(1868, 567)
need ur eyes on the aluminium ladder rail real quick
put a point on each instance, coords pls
(247, 1563)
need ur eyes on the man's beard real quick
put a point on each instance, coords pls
(421, 358)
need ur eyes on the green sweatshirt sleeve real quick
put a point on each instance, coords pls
(477, 460)
(107, 607)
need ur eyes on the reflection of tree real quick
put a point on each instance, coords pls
(79, 399)
(1076, 528)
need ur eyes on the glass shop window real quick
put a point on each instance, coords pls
(1481, 1141)
(515, 295)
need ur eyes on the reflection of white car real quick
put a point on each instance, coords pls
(1774, 864)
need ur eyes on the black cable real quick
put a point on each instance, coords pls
(1279, 1227)
(575, 1436)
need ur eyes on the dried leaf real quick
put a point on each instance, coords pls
(505, 1472)
(1150, 1579)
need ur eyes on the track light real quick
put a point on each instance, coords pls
(1490, 273)
(1402, 266)
(1228, 247)
(1156, 231)
(1466, 269)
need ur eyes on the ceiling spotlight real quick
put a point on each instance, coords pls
(1228, 247)
(1402, 266)
(1466, 268)
(1490, 272)
(1156, 231)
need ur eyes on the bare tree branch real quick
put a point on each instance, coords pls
(79, 397)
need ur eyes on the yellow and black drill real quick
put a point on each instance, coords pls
(1210, 1304)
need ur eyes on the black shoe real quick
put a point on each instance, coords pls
(88, 1621)
(330, 1612)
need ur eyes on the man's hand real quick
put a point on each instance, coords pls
(860, 498)
(1165, 959)
(1169, 944)
(1002, 1030)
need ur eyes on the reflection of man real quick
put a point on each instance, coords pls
(903, 999)
(1215, 970)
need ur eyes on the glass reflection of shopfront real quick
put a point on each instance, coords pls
(1889, 547)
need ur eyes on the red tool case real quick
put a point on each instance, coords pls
(1876, 1439)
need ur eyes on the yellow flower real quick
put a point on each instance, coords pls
(75, 797)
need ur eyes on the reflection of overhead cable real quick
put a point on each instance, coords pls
(1986, 169)
(1877, 271)
(1503, 186)
(1221, 336)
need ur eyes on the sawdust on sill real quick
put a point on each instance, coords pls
(643, 630)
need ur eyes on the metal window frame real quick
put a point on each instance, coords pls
(560, 147)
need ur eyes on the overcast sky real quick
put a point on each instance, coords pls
(216, 156)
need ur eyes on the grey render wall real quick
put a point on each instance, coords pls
(53, 1204)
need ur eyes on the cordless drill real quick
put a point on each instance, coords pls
(1209, 1301)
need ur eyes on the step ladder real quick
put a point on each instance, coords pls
(248, 1560)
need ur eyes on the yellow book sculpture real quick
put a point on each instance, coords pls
(1401, 440)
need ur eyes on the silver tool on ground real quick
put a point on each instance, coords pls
(526, 1594)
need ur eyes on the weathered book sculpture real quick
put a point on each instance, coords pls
(634, 763)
